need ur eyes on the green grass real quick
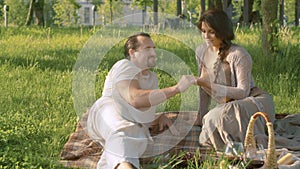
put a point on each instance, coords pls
(36, 73)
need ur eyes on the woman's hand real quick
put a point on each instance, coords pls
(203, 82)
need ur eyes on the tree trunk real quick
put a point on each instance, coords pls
(35, 7)
(248, 16)
(144, 14)
(269, 26)
(250, 11)
(179, 12)
(225, 5)
(246, 11)
(29, 14)
(297, 12)
(155, 10)
(281, 12)
(202, 6)
(111, 11)
(38, 10)
(218, 4)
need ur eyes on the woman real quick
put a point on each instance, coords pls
(225, 77)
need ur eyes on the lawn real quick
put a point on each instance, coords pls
(41, 67)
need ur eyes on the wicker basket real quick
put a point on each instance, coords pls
(271, 160)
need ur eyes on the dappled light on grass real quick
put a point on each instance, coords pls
(37, 113)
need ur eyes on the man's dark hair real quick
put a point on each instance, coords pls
(132, 43)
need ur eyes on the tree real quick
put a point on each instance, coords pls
(202, 9)
(155, 10)
(167, 6)
(29, 14)
(281, 12)
(247, 11)
(290, 11)
(49, 12)
(36, 8)
(97, 2)
(179, 7)
(269, 26)
(1, 6)
(111, 9)
(193, 8)
(215, 4)
(142, 4)
(65, 12)
(297, 12)
(17, 11)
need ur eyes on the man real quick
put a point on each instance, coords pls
(120, 119)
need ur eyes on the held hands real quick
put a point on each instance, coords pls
(203, 82)
(185, 82)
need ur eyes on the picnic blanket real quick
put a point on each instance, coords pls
(82, 152)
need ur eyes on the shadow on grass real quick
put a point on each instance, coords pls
(56, 60)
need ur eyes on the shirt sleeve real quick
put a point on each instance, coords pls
(125, 70)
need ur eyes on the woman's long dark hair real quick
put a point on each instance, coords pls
(222, 25)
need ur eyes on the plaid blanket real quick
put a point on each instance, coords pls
(82, 152)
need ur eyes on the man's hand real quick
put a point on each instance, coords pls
(165, 121)
(185, 82)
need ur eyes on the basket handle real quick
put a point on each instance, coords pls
(271, 160)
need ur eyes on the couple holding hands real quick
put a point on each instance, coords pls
(120, 119)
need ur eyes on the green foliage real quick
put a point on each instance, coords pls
(1, 7)
(237, 5)
(65, 12)
(97, 2)
(168, 7)
(115, 6)
(141, 3)
(18, 10)
(37, 104)
(48, 12)
(289, 12)
(194, 7)
(257, 5)
(277, 74)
